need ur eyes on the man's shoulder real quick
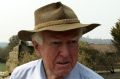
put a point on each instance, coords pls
(28, 65)
(26, 68)
(86, 72)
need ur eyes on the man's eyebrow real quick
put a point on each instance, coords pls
(55, 40)
(75, 38)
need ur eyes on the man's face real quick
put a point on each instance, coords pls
(59, 51)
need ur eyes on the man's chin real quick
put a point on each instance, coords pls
(62, 73)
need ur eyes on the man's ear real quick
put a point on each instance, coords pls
(36, 47)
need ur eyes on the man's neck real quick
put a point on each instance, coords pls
(54, 77)
(49, 75)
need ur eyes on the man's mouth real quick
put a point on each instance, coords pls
(62, 63)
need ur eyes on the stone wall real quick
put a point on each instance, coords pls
(12, 61)
(4, 75)
(20, 54)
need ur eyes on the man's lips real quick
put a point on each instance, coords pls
(63, 62)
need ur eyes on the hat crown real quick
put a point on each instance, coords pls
(53, 12)
(55, 17)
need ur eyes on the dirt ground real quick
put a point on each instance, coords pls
(111, 76)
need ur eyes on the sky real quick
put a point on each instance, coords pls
(16, 15)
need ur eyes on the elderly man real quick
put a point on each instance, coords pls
(55, 39)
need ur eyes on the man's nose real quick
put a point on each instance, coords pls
(64, 51)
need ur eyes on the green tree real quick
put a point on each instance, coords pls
(115, 32)
(95, 59)
(87, 55)
(107, 61)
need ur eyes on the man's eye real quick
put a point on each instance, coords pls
(74, 41)
(56, 43)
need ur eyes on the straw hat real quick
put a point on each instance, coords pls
(55, 17)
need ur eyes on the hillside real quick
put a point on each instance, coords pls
(3, 44)
(97, 41)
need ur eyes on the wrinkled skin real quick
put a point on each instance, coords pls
(59, 52)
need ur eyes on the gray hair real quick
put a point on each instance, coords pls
(38, 38)
(81, 32)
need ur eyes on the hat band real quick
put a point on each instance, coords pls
(58, 22)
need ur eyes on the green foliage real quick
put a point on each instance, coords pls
(87, 55)
(26, 53)
(83, 44)
(108, 61)
(95, 59)
(2, 67)
(115, 32)
(14, 40)
(3, 55)
(1, 49)
(26, 57)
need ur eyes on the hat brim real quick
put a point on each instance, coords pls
(25, 35)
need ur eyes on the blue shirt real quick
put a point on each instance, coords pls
(35, 70)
